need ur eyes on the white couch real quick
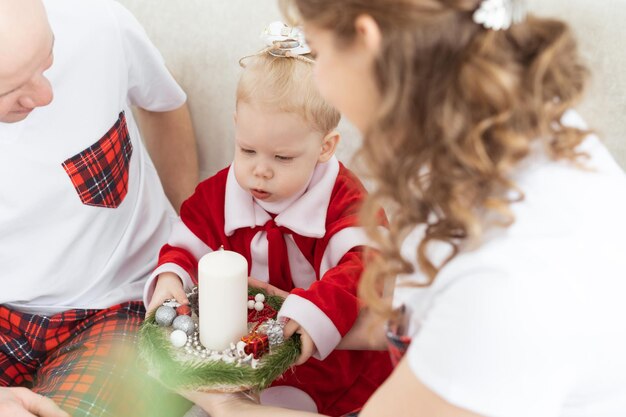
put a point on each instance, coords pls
(202, 40)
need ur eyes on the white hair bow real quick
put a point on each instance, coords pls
(499, 14)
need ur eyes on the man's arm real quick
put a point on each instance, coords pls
(22, 402)
(171, 143)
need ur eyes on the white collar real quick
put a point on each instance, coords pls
(306, 216)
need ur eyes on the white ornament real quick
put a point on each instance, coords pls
(228, 359)
(241, 348)
(258, 306)
(171, 303)
(178, 338)
(259, 297)
(250, 304)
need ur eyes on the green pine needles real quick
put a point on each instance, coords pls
(164, 364)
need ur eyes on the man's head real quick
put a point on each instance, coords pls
(26, 42)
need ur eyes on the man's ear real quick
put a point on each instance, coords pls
(329, 146)
(368, 33)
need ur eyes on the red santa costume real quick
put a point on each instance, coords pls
(318, 235)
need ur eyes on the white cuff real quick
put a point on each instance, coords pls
(148, 289)
(182, 237)
(316, 323)
(340, 244)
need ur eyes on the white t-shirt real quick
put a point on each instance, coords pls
(56, 251)
(533, 322)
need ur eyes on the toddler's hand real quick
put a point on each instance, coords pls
(269, 288)
(308, 347)
(168, 285)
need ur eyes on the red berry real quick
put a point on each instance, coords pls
(183, 310)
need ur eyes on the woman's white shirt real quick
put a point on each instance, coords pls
(533, 321)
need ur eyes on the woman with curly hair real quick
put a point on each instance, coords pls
(506, 213)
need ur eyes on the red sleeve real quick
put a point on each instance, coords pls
(203, 214)
(336, 293)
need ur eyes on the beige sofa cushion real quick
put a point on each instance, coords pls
(202, 41)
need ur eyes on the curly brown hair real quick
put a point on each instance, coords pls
(461, 106)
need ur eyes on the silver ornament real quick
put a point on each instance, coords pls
(274, 331)
(184, 323)
(164, 316)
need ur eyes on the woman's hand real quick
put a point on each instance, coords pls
(220, 404)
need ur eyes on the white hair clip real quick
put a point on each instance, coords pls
(283, 40)
(500, 14)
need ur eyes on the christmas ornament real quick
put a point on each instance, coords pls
(256, 344)
(184, 323)
(179, 361)
(171, 303)
(274, 331)
(183, 310)
(178, 338)
(165, 315)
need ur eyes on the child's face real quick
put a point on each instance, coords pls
(275, 152)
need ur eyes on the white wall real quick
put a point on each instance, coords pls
(202, 41)
(601, 32)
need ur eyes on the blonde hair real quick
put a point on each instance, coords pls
(460, 107)
(285, 84)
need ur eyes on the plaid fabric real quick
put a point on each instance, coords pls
(85, 360)
(100, 172)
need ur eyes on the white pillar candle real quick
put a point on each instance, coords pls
(222, 298)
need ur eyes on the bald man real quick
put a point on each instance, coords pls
(83, 211)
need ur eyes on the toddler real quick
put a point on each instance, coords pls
(291, 208)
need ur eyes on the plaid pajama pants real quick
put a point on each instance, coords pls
(85, 360)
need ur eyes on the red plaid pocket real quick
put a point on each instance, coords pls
(100, 172)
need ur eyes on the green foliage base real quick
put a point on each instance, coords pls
(201, 374)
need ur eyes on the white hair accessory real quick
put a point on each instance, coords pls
(499, 14)
(283, 41)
